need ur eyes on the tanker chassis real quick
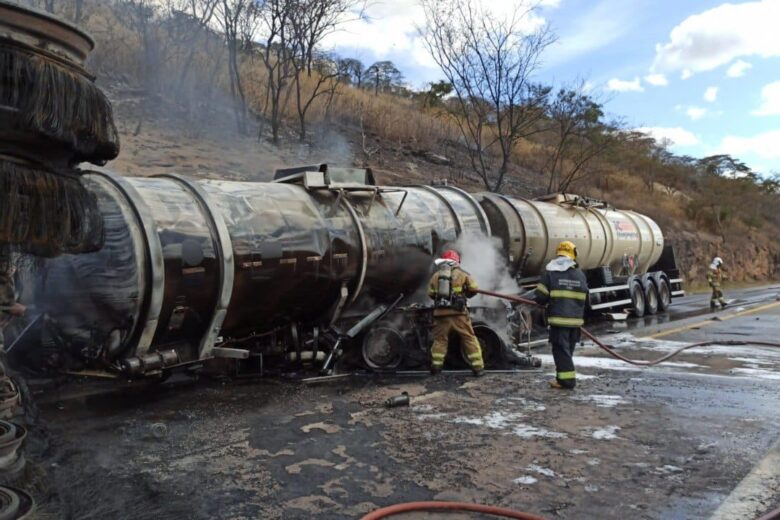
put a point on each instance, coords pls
(319, 269)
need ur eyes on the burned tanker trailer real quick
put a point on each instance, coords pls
(320, 268)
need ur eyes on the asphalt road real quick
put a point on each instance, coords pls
(686, 440)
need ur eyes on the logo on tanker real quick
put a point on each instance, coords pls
(625, 230)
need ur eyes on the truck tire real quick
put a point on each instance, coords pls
(651, 298)
(637, 299)
(664, 295)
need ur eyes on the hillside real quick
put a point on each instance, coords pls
(191, 98)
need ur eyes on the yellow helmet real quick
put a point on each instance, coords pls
(567, 248)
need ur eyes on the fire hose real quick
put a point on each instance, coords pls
(610, 350)
(508, 513)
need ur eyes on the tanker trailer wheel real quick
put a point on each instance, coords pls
(664, 295)
(651, 298)
(383, 348)
(637, 299)
(10, 502)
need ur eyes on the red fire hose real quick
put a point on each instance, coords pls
(508, 513)
(448, 506)
(609, 350)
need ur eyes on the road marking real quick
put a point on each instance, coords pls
(711, 321)
(754, 495)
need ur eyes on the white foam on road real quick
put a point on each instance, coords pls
(615, 364)
(525, 480)
(494, 420)
(606, 433)
(526, 431)
(541, 470)
(602, 401)
(757, 372)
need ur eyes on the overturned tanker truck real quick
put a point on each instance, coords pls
(319, 269)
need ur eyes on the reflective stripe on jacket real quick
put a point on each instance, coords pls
(566, 292)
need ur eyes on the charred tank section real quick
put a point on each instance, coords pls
(189, 265)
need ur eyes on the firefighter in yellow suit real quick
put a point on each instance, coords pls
(449, 288)
(714, 278)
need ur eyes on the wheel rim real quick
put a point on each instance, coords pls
(651, 299)
(382, 348)
(638, 299)
(665, 296)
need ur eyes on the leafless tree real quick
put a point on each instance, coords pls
(490, 62)
(578, 137)
(237, 21)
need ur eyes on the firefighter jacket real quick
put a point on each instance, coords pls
(564, 288)
(462, 284)
(714, 277)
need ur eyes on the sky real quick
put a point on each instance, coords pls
(703, 74)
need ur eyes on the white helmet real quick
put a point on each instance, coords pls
(716, 262)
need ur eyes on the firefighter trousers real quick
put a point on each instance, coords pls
(563, 340)
(717, 296)
(461, 324)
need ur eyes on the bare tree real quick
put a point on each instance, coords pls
(490, 62)
(277, 54)
(314, 76)
(579, 137)
(237, 21)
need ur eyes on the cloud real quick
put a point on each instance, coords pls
(738, 69)
(770, 96)
(603, 23)
(711, 94)
(619, 85)
(763, 145)
(389, 30)
(657, 80)
(720, 35)
(677, 135)
(686, 74)
(696, 113)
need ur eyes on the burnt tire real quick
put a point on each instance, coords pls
(651, 298)
(637, 293)
(664, 295)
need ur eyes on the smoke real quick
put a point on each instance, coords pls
(483, 258)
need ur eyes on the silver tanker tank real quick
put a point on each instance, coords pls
(190, 265)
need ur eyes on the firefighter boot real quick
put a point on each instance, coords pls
(478, 372)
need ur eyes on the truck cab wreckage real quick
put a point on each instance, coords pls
(320, 269)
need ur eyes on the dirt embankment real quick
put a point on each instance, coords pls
(749, 260)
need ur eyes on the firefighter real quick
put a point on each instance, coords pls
(449, 288)
(715, 275)
(8, 305)
(564, 289)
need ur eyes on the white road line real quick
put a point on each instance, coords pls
(758, 491)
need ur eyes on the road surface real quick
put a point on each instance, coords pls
(690, 439)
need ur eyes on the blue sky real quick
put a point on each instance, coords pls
(704, 74)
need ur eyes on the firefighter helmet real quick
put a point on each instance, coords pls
(451, 254)
(567, 248)
(717, 261)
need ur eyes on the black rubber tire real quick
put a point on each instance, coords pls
(383, 348)
(637, 293)
(651, 298)
(664, 295)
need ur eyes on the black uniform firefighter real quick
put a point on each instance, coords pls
(564, 289)
(714, 278)
(450, 287)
